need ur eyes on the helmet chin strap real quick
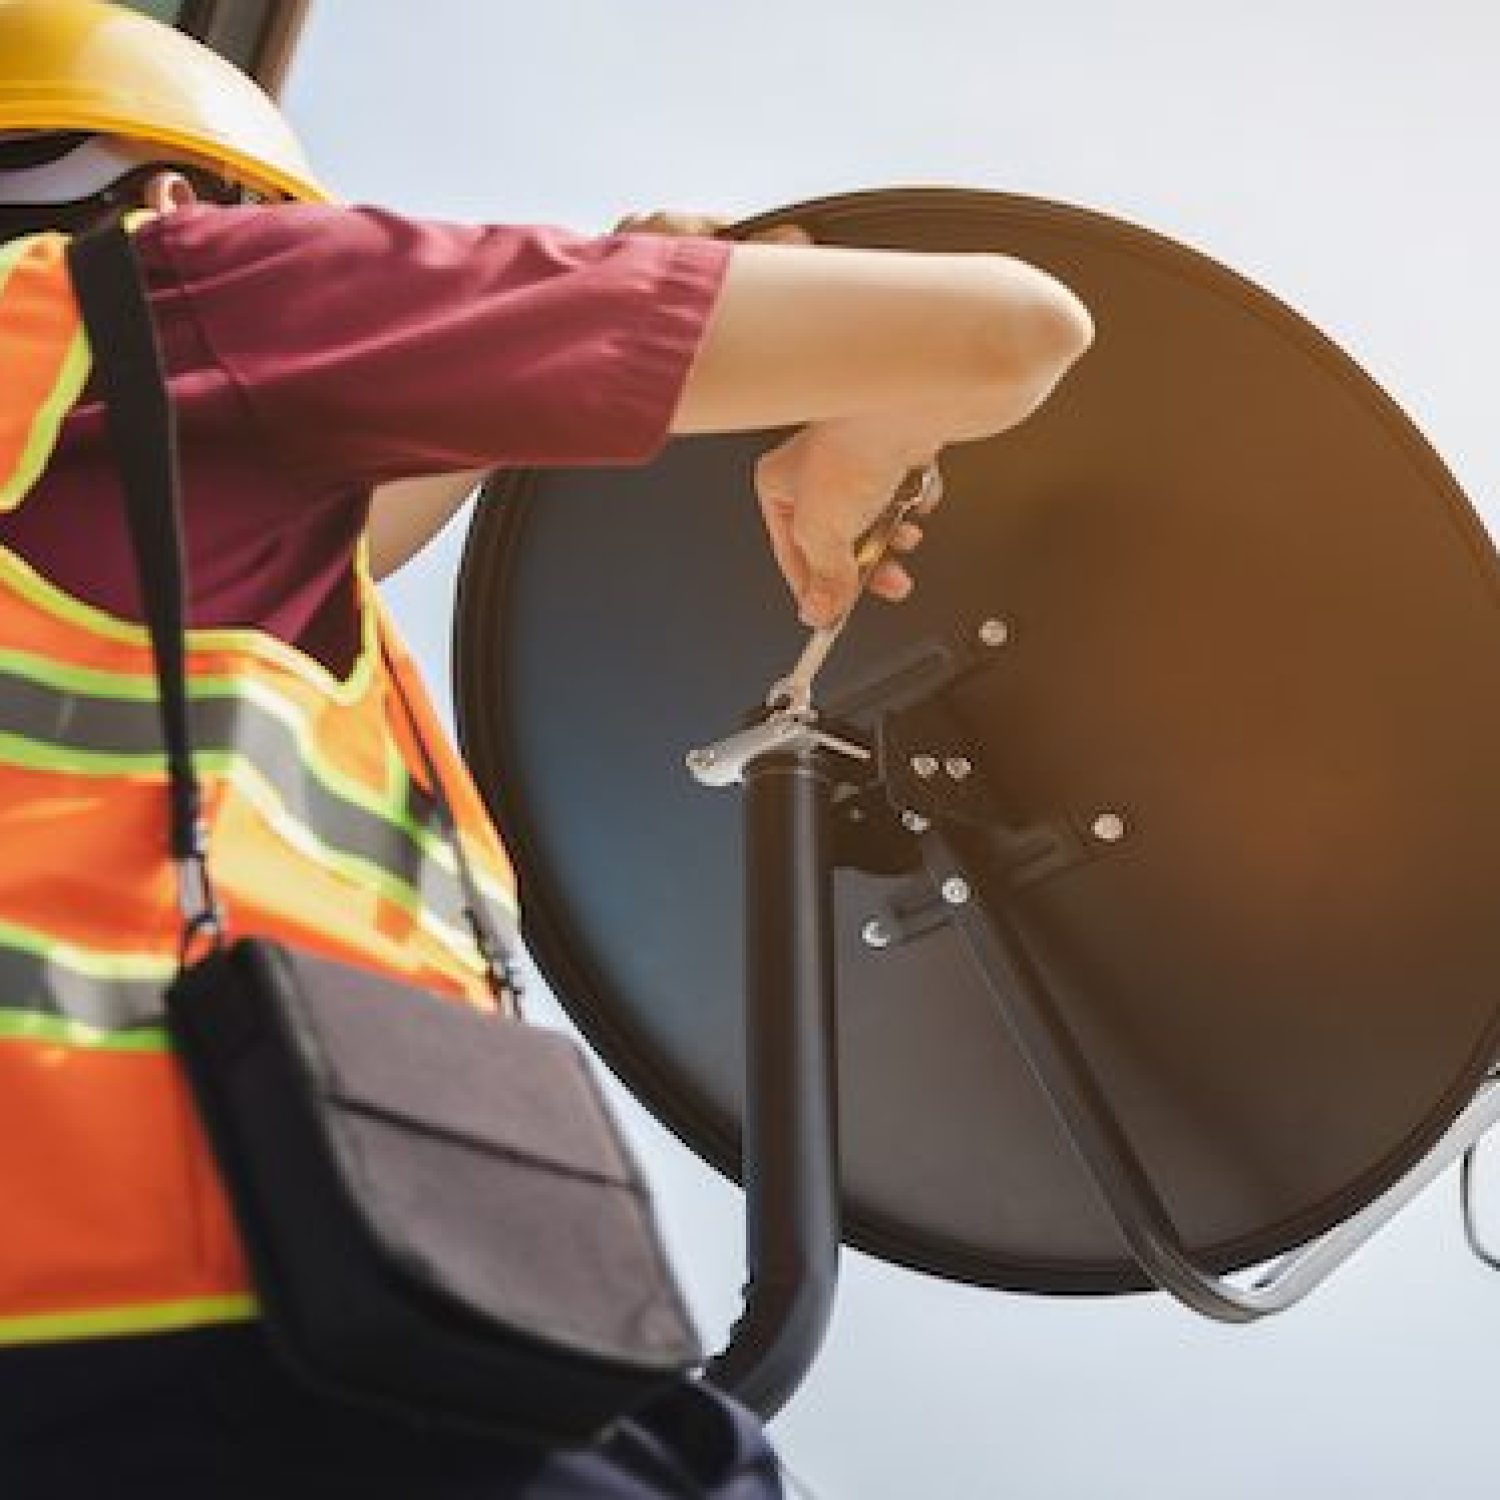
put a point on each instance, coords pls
(34, 148)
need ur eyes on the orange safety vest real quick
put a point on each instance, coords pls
(112, 1219)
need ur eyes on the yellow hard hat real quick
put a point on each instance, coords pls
(88, 65)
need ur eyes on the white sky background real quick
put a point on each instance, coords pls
(1340, 152)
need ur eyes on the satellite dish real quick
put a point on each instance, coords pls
(1198, 700)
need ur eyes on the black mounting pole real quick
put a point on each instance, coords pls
(790, 1150)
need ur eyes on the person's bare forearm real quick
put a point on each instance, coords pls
(880, 359)
(809, 335)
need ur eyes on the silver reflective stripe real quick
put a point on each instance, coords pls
(47, 987)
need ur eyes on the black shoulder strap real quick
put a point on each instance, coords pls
(143, 432)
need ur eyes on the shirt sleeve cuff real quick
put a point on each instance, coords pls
(681, 279)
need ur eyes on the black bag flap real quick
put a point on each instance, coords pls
(378, 1045)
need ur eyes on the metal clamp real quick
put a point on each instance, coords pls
(723, 762)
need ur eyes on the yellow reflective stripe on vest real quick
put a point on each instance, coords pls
(156, 1317)
(53, 1031)
(46, 359)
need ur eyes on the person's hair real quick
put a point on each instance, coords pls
(125, 193)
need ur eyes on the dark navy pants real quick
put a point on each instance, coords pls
(210, 1415)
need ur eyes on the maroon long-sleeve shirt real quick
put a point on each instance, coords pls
(314, 352)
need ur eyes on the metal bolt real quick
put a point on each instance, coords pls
(926, 766)
(1108, 827)
(914, 822)
(955, 890)
(994, 632)
(958, 766)
(876, 934)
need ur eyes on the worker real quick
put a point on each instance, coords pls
(319, 353)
